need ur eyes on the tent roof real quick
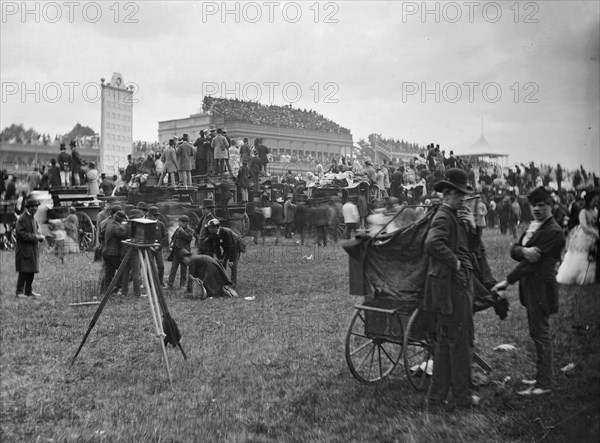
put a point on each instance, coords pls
(483, 148)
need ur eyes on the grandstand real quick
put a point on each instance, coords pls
(285, 130)
(395, 151)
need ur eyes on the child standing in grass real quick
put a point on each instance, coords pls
(60, 235)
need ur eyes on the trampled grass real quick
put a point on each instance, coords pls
(271, 369)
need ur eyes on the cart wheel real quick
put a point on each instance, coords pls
(194, 220)
(418, 353)
(87, 231)
(10, 237)
(241, 225)
(369, 359)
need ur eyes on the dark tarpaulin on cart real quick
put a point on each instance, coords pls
(395, 267)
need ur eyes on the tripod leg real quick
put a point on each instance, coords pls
(107, 293)
(154, 310)
(161, 299)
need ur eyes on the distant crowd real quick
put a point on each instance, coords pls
(272, 115)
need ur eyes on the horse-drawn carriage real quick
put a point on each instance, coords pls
(86, 208)
(174, 202)
(8, 222)
(389, 324)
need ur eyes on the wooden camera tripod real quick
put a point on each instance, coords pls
(156, 298)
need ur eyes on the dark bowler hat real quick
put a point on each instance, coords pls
(73, 144)
(184, 218)
(120, 216)
(63, 147)
(153, 210)
(142, 205)
(208, 203)
(455, 179)
(31, 202)
(539, 195)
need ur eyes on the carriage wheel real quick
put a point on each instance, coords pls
(369, 359)
(10, 237)
(240, 225)
(87, 231)
(418, 354)
(194, 220)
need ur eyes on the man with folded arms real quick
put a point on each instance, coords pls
(538, 251)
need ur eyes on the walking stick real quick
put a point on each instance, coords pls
(107, 293)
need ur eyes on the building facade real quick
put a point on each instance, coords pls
(280, 140)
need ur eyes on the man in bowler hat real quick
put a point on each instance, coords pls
(27, 253)
(538, 251)
(202, 239)
(449, 293)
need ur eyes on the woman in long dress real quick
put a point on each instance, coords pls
(579, 265)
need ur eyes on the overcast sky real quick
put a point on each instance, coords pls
(530, 70)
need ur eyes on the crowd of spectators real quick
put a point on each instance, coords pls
(402, 146)
(235, 110)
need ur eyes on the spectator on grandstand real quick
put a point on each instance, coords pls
(363, 209)
(169, 158)
(243, 180)
(263, 152)
(234, 158)
(200, 160)
(106, 185)
(319, 169)
(255, 168)
(450, 161)
(245, 151)
(185, 158)
(53, 175)
(76, 164)
(131, 168)
(351, 217)
(159, 166)
(220, 147)
(64, 161)
(386, 177)
(370, 172)
(92, 180)
(148, 165)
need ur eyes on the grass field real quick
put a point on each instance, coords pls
(271, 369)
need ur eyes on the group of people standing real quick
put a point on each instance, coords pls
(449, 290)
(218, 245)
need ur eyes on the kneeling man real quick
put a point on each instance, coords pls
(211, 274)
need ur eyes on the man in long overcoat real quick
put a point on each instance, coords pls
(538, 251)
(185, 155)
(169, 158)
(449, 293)
(27, 253)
